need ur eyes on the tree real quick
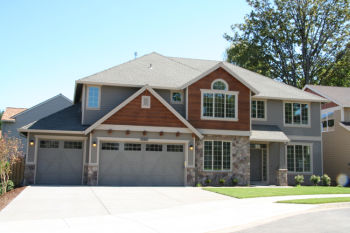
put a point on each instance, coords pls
(10, 152)
(295, 41)
(1, 112)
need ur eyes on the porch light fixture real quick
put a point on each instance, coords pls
(94, 144)
(31, 143)
(191, 147)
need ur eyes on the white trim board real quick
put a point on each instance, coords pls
(304, 138)
(225, 132)
(143, 128)
(49, 131)
(132, 97)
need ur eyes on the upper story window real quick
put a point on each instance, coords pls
(296, 114)
(258, 109)
(327, 121)
(219, 85)
(218, 103)
(176, 97)
(93, 97)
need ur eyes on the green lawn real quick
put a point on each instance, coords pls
(269, 192)
(317, 200)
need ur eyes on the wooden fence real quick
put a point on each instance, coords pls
(17, 172)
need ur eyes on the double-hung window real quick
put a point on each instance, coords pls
(219, 103)
(296, 114)
(299, 158)
(217, 155)
(93, 101)
(258, 109)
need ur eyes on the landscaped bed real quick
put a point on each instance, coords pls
(6, 198)
(269, 192)
(317, 200)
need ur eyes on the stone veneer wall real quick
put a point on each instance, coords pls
(29, 174)
(240, 163)
(90, 174)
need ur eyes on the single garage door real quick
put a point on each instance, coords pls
(141, 164)
(59, 162)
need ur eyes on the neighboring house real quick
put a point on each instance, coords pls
(15, 118)
(160, 120)
(335, 129)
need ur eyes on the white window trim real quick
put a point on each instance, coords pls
(222, 159)
(221, 80)
(296, 125)
(311, 157)
(99, 98)
(265, 111)
(325, 111)
(177, 102)
(236, 93)
(142, 101)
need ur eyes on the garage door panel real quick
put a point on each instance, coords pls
(141, 168)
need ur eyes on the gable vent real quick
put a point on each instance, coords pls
(146, 101)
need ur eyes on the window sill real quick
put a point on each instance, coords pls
(93, 109)
(218, 119)
(297, 126)
(258, 119)
(300, 173)
(217, 170)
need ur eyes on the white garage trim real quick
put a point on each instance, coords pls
(162, 141)
(37, 137)
(144, 128)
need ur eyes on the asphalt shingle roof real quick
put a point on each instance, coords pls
(340, 95)
(10, 112)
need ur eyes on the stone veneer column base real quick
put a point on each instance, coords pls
(282, 177)
(90, 174)
(29, 174)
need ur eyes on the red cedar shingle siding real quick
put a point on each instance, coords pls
(133, 114)
(194, 102)
(325, 105)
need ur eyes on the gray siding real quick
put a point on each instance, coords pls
(36, 113)
(112, 96)
(275, 117)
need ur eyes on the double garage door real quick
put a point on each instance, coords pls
(141, 164)
(59, 162)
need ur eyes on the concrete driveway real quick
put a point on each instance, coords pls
(135, 209)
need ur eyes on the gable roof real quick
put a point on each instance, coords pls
(10, 112)
(132, 97)
(163, 72)
(338, 95)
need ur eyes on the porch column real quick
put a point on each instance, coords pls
(282, 172)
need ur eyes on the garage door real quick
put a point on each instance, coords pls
(59, 162)
(141, 164)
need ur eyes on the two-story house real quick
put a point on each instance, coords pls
(335, 116)
(160, 120)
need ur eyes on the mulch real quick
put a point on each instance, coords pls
(9, 196)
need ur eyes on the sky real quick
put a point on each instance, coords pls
(46, 45)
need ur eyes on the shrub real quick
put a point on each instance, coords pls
(222, 182)
(234, 181)
(326, 180)
(299, 179)
(198, 185)
(208, 181)
(315, 179)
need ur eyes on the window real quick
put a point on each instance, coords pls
(174, 148)
(176, 97)
(110, 146)
(219, 105)
(258, 109)
(154, 147)
(48, 144)
(93, 97)
(299, 158)
(219, 85)
(327, 121)
(73, 145)
(132, 147)
(146, 102)
(296, 114)
(217, 155)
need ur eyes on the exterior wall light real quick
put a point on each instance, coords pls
(31, 143)
(94, 144)
(191, 147)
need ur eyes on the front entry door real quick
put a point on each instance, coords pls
(255, 165)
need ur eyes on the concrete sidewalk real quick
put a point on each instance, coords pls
(151, 209)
